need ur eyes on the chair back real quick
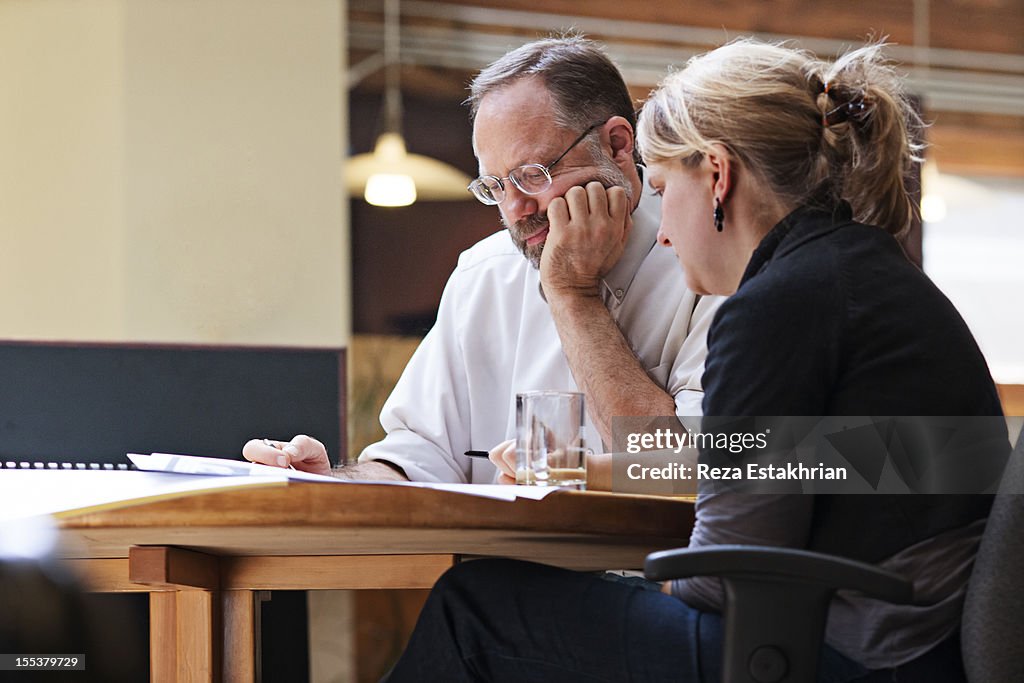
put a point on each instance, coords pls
(992, 633)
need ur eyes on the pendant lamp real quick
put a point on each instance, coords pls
(391, 176)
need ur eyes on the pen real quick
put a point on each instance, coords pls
(478, 454)
(280, 447)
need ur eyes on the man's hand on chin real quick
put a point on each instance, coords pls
(589, 228)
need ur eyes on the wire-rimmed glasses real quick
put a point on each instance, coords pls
(528, 178)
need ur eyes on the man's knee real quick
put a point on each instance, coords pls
(487, 574)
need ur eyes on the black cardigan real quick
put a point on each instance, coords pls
(831, 318)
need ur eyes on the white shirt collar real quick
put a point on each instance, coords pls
(642, 238)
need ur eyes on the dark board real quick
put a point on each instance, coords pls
(96, 402)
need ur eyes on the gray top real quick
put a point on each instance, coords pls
(940, 567)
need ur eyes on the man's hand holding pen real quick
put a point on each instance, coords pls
(303, 453)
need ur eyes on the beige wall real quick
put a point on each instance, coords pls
(170, 172)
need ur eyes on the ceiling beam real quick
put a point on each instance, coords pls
(975, 97)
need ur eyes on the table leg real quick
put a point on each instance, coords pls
(198, 622)
(241, 636)
(163, 637)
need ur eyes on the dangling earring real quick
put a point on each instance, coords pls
(719, 215)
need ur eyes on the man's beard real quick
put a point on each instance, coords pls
(606, 173)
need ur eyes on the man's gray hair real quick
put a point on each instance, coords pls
(585, 85)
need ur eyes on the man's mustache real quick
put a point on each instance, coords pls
(524, 227)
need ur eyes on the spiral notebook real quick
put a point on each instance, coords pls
(6, 464)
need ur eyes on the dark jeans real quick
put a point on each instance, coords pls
(504, 620)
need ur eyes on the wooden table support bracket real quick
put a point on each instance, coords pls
(175, 568)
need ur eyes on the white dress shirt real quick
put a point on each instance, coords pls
(494, 337)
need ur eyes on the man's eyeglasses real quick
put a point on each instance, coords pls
(528, 178)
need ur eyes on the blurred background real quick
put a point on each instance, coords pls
(191, 174)
(964, 60)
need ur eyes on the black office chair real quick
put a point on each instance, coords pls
(776, 603)
(992, 628)
(777, 600)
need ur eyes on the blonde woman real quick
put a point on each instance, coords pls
(783, 185)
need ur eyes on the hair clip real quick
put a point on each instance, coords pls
(856, 109)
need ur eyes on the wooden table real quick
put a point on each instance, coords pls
(203, 557)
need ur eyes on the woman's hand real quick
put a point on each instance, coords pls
(504, 458)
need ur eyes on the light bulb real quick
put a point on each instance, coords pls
(390, 189)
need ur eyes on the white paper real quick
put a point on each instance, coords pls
(28, 493)
(497, 491)
(194, 464)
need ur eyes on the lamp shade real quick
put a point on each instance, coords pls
(431, 179)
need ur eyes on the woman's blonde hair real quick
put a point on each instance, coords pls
(812, 131)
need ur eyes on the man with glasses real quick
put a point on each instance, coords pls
(553, 134)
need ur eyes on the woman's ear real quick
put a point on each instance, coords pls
(618, 134)
(722, 168)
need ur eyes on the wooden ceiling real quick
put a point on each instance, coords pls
(991, 25)
(965, 56)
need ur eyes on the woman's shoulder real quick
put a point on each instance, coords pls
(797, 274)
(804, 285)
(816, 263)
